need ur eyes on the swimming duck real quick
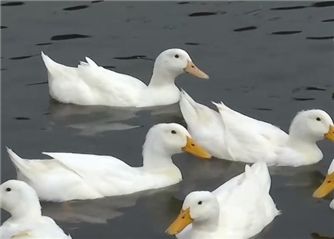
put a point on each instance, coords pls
(69, 176)
(327, 186)
(90, 84)
(26, 221)
(232, 136)
(238, 209)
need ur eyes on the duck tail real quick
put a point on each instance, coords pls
(221, 106)
(55, 70)
(22, 165)
(260, 169)
(188, 107)
(89, 62)
(49, 63)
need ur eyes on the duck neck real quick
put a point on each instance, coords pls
(305, 146)
(155, 159)
(210, 225)
(25, 212)
(162, 78)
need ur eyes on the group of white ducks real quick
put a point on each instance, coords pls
(238, 209)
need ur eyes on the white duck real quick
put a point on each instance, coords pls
(238, 209)
(26, 221)
(71, 176)
(90, 84)
(233, 136)
(327, 186)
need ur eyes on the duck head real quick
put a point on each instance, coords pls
(18, 198)
(198, 207)
(312, 125)
(174, 62)
(169, 139)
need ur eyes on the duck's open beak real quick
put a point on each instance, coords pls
(192, 69)
(183, 220)
(330, 134)
(326, 187)
(196, 150)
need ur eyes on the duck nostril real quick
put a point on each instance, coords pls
(193, 145)
(183, 217)
(193, 66)
(329, 181)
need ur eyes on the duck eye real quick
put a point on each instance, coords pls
(200, 203)
(176, 56)
(173, 132)
(8, 189)
(318, 119)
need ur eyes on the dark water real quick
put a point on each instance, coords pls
(266, 59)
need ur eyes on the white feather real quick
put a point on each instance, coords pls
(90, 84)
(245, 207)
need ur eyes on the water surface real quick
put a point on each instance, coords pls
(266, 59)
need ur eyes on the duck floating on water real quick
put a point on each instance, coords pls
(26, 221)
(69, 176)
(238, 209)
(233, 136)
(90, 84)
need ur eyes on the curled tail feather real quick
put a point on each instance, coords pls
(89, 62)
(222, 107)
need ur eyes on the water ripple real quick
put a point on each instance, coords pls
(204, 14)
(328, 20)
(68, 36)
(76, 8)
(245, 29)
(22, 57)
(323, 4)
(135, 57)
(288, 8)
(44, 44)
(9, 4)
(192, 43)
(285, 32)
(303, 99)
(22, 118)
(320, 38)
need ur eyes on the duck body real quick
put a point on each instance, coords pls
(69, 176)
(43, 227)
(90, 84)
(224, 135)
(241, 207)
(232, 136)
(26, 221)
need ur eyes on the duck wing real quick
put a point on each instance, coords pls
(105, 174)
(271, 132)
(243, 141)
(109, 87)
